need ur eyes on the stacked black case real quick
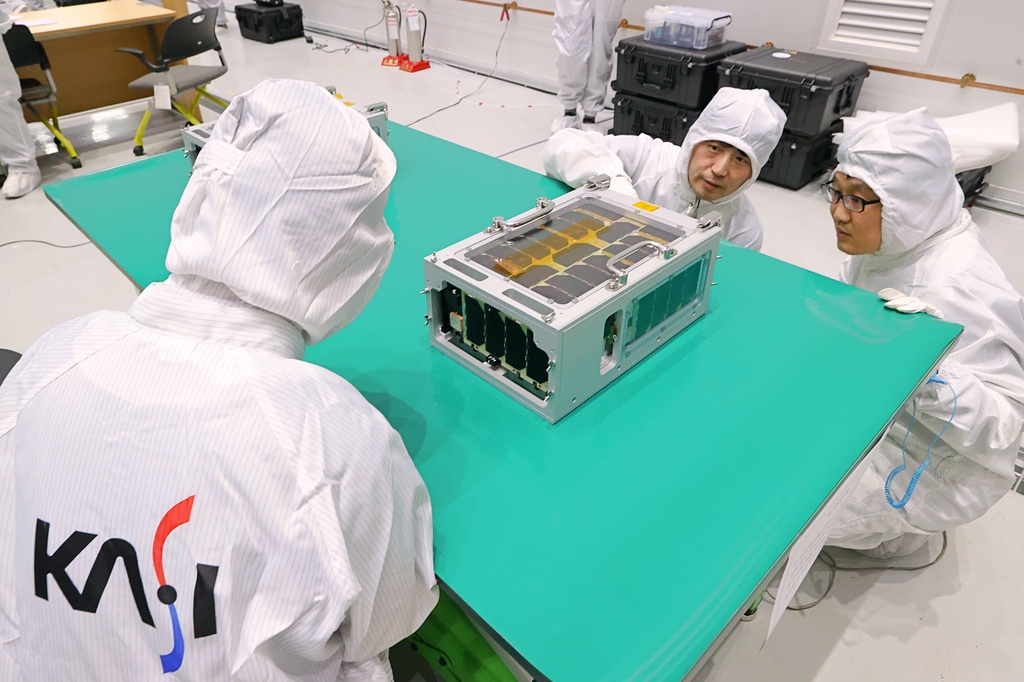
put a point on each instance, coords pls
(661, 89)
(814, 91)
(269, 24)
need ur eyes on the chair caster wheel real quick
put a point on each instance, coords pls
(76, 162)
(138, 151)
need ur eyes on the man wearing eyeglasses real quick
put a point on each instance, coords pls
(720, 158)
(898, 214)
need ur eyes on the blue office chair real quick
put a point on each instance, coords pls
(8, 359)
(185, 37)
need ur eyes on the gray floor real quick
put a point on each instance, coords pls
(959, 620)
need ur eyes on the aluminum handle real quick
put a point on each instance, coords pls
(544, 207)
(623, 274)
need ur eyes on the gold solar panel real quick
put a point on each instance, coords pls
(566, 256)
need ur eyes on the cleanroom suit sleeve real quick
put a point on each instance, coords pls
(384, 515)
(8, 617)
(985, 371)
(573, 156)
(644, 158)
(744, 229)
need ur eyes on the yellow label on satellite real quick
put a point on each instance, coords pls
(646, 207)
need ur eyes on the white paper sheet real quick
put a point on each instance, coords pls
(162, 96)
(42, 21)
(807, 547)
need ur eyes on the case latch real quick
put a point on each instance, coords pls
(713, 219)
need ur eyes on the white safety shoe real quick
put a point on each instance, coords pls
(563, 122)
(592, 128)
(20, 184)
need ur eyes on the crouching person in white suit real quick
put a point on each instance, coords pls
(243, 515)
(898, 213)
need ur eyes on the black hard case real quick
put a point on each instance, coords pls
(813, 90)
(635, 115)
(972, 182)
(798, 159)
(684, 77)
(269, 24)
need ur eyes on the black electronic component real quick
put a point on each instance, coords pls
(515, 344)
(451, 302)
(474, 321)
(536, 360)
(495, 331)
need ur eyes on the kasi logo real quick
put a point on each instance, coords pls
(204, 614)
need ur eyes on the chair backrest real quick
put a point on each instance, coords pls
(70, 3)
(189, 36)
(23, 48)
(8, 359)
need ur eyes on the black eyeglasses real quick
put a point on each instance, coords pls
(854, 204)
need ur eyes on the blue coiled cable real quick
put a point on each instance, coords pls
(899, 504)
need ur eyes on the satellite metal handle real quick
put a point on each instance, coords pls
(623, 274)
(544, 207)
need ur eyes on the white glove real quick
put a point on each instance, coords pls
(897, 300)
(622, 185)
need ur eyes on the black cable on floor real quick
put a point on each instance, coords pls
(464, 97)
(366, 41)
(519, 149)
(37, 241)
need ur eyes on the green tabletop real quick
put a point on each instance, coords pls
(617, 543)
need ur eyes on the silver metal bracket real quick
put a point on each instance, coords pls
(713, 219)
(601, 181)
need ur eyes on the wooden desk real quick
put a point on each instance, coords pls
(81, 45)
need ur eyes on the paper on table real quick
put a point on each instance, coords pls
(42, 21)
(807, 547)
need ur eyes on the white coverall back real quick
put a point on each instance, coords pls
(181, 497)
(932, 250)
(656, 171)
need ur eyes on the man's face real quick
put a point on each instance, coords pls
(717, 170)
(856, 233)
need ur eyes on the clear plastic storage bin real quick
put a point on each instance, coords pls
(690, 27)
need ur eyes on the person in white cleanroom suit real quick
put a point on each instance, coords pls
(584, 33)
(222, 15)
(17, 150)
(244, 515)
(721, 156)
(914, 237)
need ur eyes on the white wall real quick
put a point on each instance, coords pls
(982, 37)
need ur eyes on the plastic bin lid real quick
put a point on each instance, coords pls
(800, 68)
(693, 16)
